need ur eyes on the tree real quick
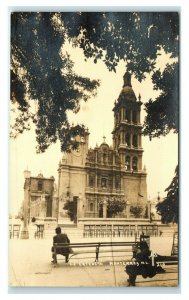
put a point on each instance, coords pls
(136, 211)
(169, 207)
(41, 72)
(115, 206)
(69, 206)
(136, 39)
(162, 114)
(44, 86)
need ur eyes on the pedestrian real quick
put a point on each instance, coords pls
(63, 239)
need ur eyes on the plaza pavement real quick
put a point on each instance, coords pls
(30, 266)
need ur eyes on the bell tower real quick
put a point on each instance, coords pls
(127, 130)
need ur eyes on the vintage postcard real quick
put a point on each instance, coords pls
(94, 195)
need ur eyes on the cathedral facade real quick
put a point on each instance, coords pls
(95, 179)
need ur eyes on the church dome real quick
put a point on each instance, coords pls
(127, 92)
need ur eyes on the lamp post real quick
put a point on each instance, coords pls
(149, 209)
(24, 232)
(158, 198)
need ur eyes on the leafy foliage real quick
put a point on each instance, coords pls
(162, 114)
(115, 206)
(69, 206)
(43, 83)
(169, 207)
(136, 211)
(137, 39)
(115, 36)
(41, 72)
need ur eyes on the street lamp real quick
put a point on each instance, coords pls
(24, 232)
(158, 198)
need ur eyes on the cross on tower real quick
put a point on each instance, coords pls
(104, 139)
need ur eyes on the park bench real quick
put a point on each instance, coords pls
(97, 248)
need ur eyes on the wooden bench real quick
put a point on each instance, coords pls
(97, 248)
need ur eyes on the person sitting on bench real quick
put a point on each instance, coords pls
(142, 264)
(63, 239)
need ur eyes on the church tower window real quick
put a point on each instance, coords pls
(134, 117)
(128, 115)
(135, 141)
(128, 162)
(135, 163)
(127, 139)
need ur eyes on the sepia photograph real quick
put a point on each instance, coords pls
(94, 131)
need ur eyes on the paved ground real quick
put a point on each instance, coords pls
(30, 265)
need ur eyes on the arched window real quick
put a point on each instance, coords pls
(135, 140)
(91, 206)
(128, 115)
(127, 162)
(40, 185)
(134, 116)
(135, 163)
(127, 139)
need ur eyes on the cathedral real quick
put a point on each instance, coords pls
(95, 179)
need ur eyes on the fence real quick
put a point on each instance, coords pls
(119, 230)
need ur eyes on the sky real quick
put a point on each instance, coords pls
(160, 155)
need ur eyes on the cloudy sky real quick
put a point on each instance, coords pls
(160, 155)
